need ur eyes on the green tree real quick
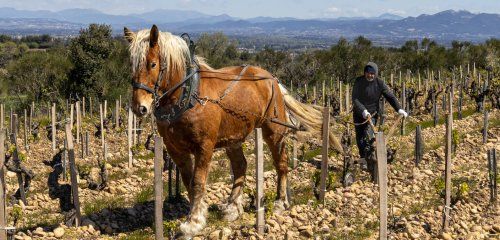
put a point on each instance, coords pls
(38, 76)
(89, 53)
(217, 49)
(10, 50)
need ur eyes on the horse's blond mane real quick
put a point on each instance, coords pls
(173, 50)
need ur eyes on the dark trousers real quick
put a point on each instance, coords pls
(364, 146)
(361, 136)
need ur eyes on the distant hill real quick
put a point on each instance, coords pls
(442, 26)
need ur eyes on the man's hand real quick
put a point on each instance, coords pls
(366, 114)
(403, 113)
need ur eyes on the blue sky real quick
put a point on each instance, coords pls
(272, 8)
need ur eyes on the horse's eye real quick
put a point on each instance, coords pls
(153, 65)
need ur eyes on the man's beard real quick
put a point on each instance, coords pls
(370, 79)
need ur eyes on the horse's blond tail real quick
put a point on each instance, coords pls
(309, 117)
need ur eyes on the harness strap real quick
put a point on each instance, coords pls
(143, 87)
(234, 82)
(176, 86)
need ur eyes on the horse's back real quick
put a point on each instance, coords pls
(248, 96)
(250, 73)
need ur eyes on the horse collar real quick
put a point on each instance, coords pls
(189, 86)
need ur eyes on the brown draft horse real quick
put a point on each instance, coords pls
(250, 102)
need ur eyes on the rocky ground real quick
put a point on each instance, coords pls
(124, 209)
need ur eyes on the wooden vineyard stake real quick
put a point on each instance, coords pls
(137, 131)
(82, 147)
(64, 160)
(400, 78)
(448, 166)
(314, 93)
(444, 102)
(426, 80)
(323, 96)
(434, 110)
(330, 86)
(382, 182)
(485, 126)
(26, 147)
(32, 112)
(105, 109)
(73, 175)
(129, 137)
(403, 98)
(3, 209)
(340, 97)
(134, 130)
(117, 114)
(460, 96)
(259, 172)
(324, 152)
(492, 174)
(158, 187)
(54, 132)
(83, 107)
(87, 138)
(347, 103)
(392, 79)
(71, 115)
(78, 122)
(90, 107)
(419, 150)
(101, 125)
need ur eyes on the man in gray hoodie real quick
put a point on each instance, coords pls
(366, 93)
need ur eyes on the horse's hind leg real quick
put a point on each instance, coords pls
(234, 205)
(276, 142)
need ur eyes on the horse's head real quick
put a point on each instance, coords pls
(146, 62)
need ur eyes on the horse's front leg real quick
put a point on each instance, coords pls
(197, 216)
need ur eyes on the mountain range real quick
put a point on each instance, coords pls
(443, 26)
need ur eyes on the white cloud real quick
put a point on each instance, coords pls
(333, 9)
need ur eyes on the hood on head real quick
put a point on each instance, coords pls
(372, 65)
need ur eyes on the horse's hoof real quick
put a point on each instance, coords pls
(280, 206)
(233, 210)
(191, 228)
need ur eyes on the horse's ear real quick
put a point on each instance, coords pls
(129, 35)
(153, 36)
